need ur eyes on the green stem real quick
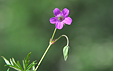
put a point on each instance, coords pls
(53, 35)
(43, 56)
(46, 50)
(65, 37)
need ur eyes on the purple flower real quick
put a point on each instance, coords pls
(61, 18)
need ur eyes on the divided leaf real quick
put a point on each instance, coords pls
(19, 65)
(26, 61)
(12, 63)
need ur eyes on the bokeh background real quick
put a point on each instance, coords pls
(25, 27)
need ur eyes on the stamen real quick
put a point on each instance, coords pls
(60, 18)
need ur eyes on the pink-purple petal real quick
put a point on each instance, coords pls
(59, 25)
(56, 11)
(65, 12)
(67, 20)
(53, 20)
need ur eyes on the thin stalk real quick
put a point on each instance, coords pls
(65, 37)
(43, 56)
(53, 35)
(46, 50)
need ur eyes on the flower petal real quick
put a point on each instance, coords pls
(53, 20)
(56, 11)
(65, 12)
(59, 25)
(67, 20)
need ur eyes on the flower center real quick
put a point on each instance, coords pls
(60, 18)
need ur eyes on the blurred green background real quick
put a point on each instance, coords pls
(25, 27)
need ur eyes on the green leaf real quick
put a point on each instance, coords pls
(15, 67)
(19, 65)
(24, 65)
(6, 61)
(65, 52)
(13, 60)
(27, 59)
(31, 65)
(8, 69)
(12, 64)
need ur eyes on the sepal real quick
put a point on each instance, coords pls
(65, 52)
